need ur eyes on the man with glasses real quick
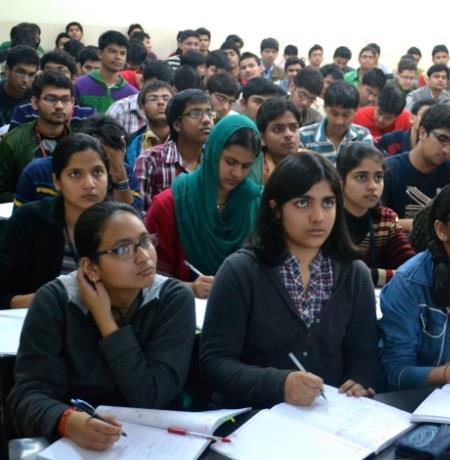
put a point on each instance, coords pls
(405, 78)
(223, 91)
(422, 171)
(190, 119)
(52, 97)
(22, 63)
(306, 86)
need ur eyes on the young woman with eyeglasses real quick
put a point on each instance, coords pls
(114, 332)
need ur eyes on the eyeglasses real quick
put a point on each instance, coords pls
(224, 99)
(302, 94)
(53, 100)
(24, 74)
(197, 114)
(154, 99)
(441, 138)
(128, 250)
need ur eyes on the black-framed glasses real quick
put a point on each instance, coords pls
(127, 250)
(197, 114)
(441, 138)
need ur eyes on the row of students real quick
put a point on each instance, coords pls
(117, 333)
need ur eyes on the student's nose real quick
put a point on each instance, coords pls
(316, 214)
(89, 181)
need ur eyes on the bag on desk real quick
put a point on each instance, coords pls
(427, 441)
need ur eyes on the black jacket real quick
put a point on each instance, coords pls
(31, 248)
(251, 326)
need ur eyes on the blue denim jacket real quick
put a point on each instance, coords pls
(415, 332)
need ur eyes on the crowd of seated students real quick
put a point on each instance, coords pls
(281, 192)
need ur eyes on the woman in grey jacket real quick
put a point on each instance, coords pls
(296, 288)
(113, 333)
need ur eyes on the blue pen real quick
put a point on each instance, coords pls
(84, 406)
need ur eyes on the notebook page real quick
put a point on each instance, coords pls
(141, 443)
(268, 436)
(435, 408)
(362, 420)
(202, 422)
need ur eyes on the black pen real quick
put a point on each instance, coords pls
(301, 368)
(84, 406)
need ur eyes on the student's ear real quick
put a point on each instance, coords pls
(422, 134)
(89, 269)
(412, 118)
(441, 230)
(34, 102)
(177, 125)
(56, 183)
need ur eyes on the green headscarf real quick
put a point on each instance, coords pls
(208, 236)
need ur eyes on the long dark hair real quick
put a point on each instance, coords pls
(292, 178)
(440, 210)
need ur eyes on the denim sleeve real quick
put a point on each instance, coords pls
(401, 331)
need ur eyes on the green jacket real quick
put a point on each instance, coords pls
(18, 148)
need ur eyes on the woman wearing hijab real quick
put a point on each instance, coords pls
(207, 214)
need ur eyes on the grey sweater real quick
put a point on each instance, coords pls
(251, 325)
(62, 354)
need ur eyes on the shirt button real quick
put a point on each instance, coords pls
(305, 353)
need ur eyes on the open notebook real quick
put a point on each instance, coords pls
(435, 408)
(147, 436)
(348, 427)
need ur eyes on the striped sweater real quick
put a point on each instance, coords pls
(384, 244)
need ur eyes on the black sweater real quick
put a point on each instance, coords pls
(31, 248)
(62, 354)
(251, 325)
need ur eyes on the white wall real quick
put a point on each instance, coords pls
(393, 25)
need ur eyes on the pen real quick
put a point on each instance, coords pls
(183, 432)
(301, 368)
(196, 271)
(83, 406)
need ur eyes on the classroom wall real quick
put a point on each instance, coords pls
(394, 26)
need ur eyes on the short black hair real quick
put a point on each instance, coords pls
(391, 101)
(27, 37)
(50, 78)
(260, 86)
(236, 39)
(269, 43)
(219, 59)
(291, 50)
(414, 50)
(186, 77)
(406, 63)
(112, 37)
(272, 109)
(292, 178)
(439, 49)
(341, 94)
(193, 59)
(223, 83)
(74, 48)
(367, 48)
(132, 27)
(105, 128)
(22, 54)
(88, 54)
(230, 45)
(18, 29)
(74, 23)
(178, 104)
(333, 70)
(310, 79)
(293, 60)
(59, 36)
(185, 34)
(248, 55)
(438, 68)
(374, 78)
(375, 47)
(159, 70)
(137, 53)
(314, 48)
(139, 36)
(437, 116)
(342, 52)
(204, 31)
(422, 103)
(62, 58)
